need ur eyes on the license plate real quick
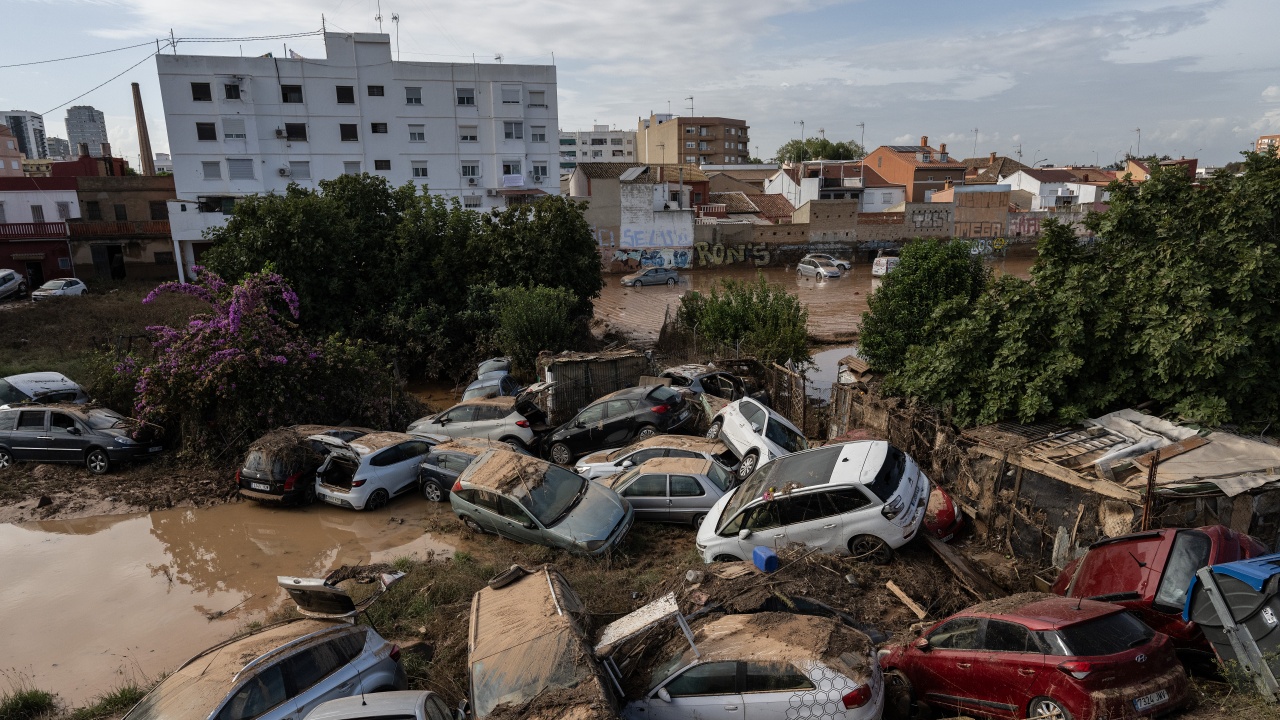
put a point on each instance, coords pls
(1149, 701)
(331, 500)
(260, 486)
(157, 448)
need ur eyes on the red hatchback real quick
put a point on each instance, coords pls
(1041, 656)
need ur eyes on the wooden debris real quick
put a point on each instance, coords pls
(1172, 450)
(972, 580)
(906, 600)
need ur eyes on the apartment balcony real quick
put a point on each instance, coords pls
(32, 231)
(719, 210)
(102, 229)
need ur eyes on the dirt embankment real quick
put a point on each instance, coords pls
(30, 491)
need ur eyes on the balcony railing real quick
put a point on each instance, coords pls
(31, 231)
(125, 228)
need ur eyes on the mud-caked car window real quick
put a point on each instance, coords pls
(957, 634)
(774, 677)
(1106, 635)
(261, 693)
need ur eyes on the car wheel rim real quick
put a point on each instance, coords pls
(1048, 710)
(868, 548)
(432, 492)
(671, 281)
(713, 433)
(697, 521)
(377, 500)
(97, 463)
(472, 525)
(646, 433)
(560, 454)
(748, 464)
(4, 460)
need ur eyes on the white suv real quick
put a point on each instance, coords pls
(858, 498)
(755, 433)
(366, 472)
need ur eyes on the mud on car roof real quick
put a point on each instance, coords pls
(694, 466)
(502, 401)
(373, 442)
(503, 470)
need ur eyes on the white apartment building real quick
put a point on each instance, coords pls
(599, 144)
(246, 126)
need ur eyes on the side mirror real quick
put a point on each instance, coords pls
(529, 525)
(73, 430)
(627, 463)
(755, 428)
(443, 421)
(579, 424)
(743, 534)
(461, 712)
(663, 695)
(922, 644)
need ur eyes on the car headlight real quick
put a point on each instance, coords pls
(580, 469)
(593, 545)
(124, 441)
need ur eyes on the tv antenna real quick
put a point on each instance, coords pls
(395, 18)
(690, 99)
(975, 143)
(1019, 152)
(378, 17)
(498, 57)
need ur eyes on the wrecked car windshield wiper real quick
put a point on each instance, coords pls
(569, 508)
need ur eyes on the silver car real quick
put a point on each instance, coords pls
(397, 705)
(652, 276)
(676, 490)
(42, 387)
(842, 264)
(283, 671)
(534, 501)
(512, 420)
(12, 283)
(817, 268)
(611, 462)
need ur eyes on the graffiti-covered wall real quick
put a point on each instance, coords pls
(928, 219)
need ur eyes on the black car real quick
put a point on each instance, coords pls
(618, 419)
(446, 461)
(281, 465)
(94, 437)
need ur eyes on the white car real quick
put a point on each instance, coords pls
(394, 705)
(366, 472)
(843, 265)
(817, 268)
(863, 499)
(53, 288)
(755, 434)
(765, 665)
(12, 283)
(884, 264)
(611, 462)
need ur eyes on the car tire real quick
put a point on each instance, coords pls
(97, 461)
(377, 500)
(748, 464)
(515, 444)
(308, 494)
(432, 491)
(871, 549)
(1046, 708)
(899, 696)
(6, 459)
(698, 520)
(560, 454)
(22, 289)
(713, 432)
(472, 525)
(645, 432)
(671, 282)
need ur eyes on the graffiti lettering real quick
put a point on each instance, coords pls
(628, 260)
(930, 219)
(978, 229)
(1022, 225)
(604, 237)
(640, 237)
(717, 254)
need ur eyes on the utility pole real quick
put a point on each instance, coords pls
(802, 148)
(395, 18)
(975, 143)
(378, 17)
(1139, 152)
(1019, 151)
(1148, 501)
(690, 99)
(862, 162)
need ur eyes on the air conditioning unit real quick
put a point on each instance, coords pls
(472, 181)
(537, 177)
(491, 192)
(284, 172)
(280, 132)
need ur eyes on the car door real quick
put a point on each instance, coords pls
(263, 695)
(943, 675)
(514, 522)
(1012, 663)
(588, 423)
(752, 422)
(650, 277)
(708, 691)
(812, 519)
(457, 422)
(403, 475)
(445, 468)
(770, 688)
(764, 522)
(30, 437)
(860, 514)
(639, 457)
(488, 514)
(487, 422)
(687, 498)
(325, 671)
(67, 440)
(378, 471)
(647, 494)
(619, 423)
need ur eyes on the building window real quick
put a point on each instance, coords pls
(419, 168)
(201, 92)
(470, 169)
(2, 218)
(159, 210)
(540, 170)
(381, 164)
(300, 169)
(615, 141)
(93, 209)
(468, 133)
(379, 128)
(212, 170)
(513, 130)
(231, 91)
(206, 131)
(597, 153)
(886, 198)
(64, 263)
(239, 169)
(617, 153)
(346, 95)
(689, 130)
(122, 213)
(417, 133)
(291, 93)
(377, 91)
(510, 167)
(37, 213)
(510, 94)
(538, 133)
(351, 167)
(413, 96)
(568, 141)
(599, 141)
(466, 96)
(689, 144)
(690, 159)
(295, 131)
(164, 258)
(537, 98)
(64, 211)
(471, 201)
(233, 128)
(348, 132)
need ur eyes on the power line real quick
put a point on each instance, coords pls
(248, 39)
(99, 85)
(75, 57)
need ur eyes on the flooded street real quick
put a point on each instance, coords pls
(835, 306)
(90, 603)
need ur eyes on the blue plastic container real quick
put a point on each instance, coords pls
(765, 558)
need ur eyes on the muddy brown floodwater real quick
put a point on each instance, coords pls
(88, 604)
(835, 306)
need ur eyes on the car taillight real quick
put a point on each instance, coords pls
(857, 697)
(237, 477)
(457, 486)
(395, 653)
(289, 481)
(892, 509)
(357, 483)
(660, 409)
(522, 423)
(1077, 669)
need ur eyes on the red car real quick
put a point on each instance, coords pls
(1041, 656)
(1149, 572)
(943, 518)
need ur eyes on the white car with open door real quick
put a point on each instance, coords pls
(285, 670)
(755, 434)
(863, 499)
(365, 473)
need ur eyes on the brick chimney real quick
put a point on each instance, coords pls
(942, 148)
(993, 156)
(924, 141)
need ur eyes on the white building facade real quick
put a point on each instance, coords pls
(247, 126)
(600, 144)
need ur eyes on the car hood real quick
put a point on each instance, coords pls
(633, 275)
(594, 518)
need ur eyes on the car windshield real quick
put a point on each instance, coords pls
(53, 285)
(552, 498)
(804, 469)
(825, 264)
(103, 420)
(479, 391)
(1190, 553)
(890, 475)
(669, 668)
(1106, 635)
(784, 437)
(721, 477)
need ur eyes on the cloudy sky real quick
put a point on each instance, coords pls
(1067, 83)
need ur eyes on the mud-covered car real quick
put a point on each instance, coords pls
(705, 379)
(611, 462)
(365, 473)
(281, 466)
(393, 705)
(516, 421)
(441, 467)
(673, 490)
(94, 437)
(285, 670)
(40, 387)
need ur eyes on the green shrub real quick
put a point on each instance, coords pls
(530, 320)
(756, 318)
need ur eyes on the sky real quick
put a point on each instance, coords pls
(1061, 83)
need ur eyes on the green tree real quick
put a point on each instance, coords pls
(530, 320)
(820, 148)
(759, 318)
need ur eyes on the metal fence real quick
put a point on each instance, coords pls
(582, 378)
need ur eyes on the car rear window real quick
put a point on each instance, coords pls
(1190, 553)
(890, 475)
(664, 395)
(1106, 635)
(784, 437)
(10, 394)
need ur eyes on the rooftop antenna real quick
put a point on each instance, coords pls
(975, 143)
(1139, 152)
(1019, 151)
(395, 18)
(823, 133)
(690, 99)
(862, 161)
(498, 57)
(378, 17)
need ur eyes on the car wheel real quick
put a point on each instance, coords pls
(747, 465)
(472, 525)
(6, 459)
(97, 461)
(870, 548)
(308, 494)
(1043, 708)
(713, 432)
(898, 696)
(515, 444)
(432, 491)
(671, 282)
(560, 454)
(377, 500)
(645, 432)
(697, 520)
(22, 289)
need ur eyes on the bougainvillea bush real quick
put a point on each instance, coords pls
(243, 367)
